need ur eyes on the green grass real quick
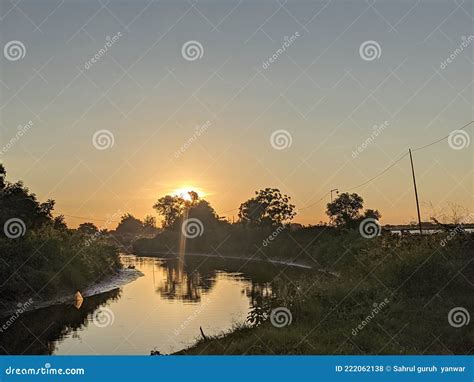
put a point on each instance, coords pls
(421, 280)
(46, 262)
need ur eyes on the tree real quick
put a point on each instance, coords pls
(372, 214)
(193, 196)
(88, 228)
(16, 201)
(129, 224)
(175, 209)
(268, 208)
(59, 223)
(251, 212)
(149, 224)
(345, 209)
(203, 211)
(171, 208)
(3, 174)
(149, 221)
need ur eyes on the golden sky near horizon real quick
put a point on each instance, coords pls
(139, 101)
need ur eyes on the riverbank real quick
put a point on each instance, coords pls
(122, 277)
(40, 257)
(288, 262)
(395, 296)
(48, 263)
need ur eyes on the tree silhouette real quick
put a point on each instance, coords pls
(269, 207)
(203, 211)
(175, 208)
(149, 225)
(59, 223)
(344, 210)
(129, 224)
(3, 174)
(16, 201)
(149, 221)
(171, 207)
(88, 228)
(372, 214)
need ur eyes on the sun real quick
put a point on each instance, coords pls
(184, 192)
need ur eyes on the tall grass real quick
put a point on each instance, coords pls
(418, 280)
(47, 261)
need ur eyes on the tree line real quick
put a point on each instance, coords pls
(269, 207)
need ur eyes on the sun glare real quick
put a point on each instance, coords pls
(184, 192)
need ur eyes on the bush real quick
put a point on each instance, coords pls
(48, 261)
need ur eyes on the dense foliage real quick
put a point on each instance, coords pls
(345, 211)
(39, 255)
(47, 261)
(269, 207)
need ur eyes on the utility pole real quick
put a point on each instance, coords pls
(334, 189)
(416, 192)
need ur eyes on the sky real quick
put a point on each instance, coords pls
(228, 97)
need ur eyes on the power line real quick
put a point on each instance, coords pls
(360, 185)
(379, 174)
(404, 155)
(441, 139)
(86, 218)
(316, 202)
(393, 164)
(319, 200)
(234, 209)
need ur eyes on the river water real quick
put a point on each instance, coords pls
(164, 310)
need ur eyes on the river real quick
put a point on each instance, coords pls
(163, 310)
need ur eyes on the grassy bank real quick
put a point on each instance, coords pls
(48, 261)
(40, 257)
(393, 297)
